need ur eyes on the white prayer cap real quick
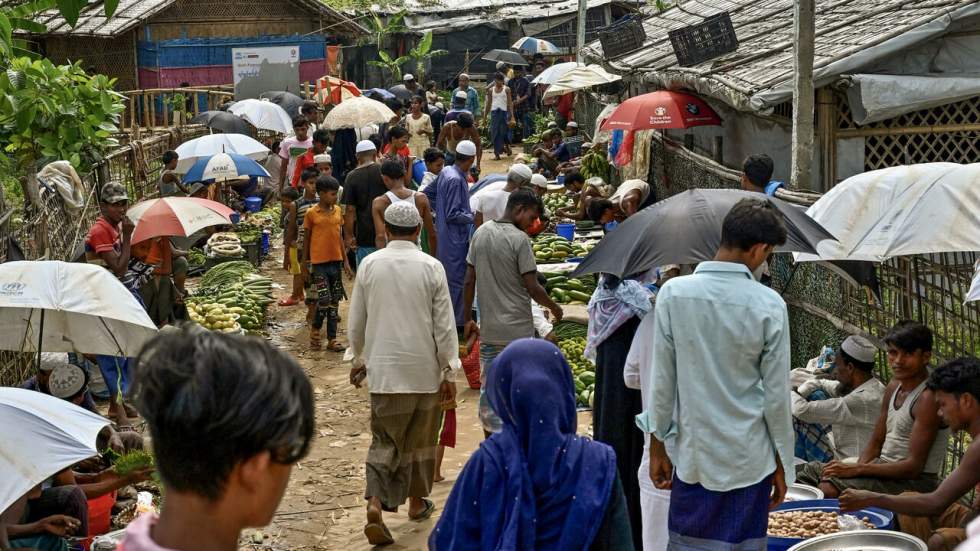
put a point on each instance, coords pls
(519, 173)
(464, 75)
(440, 105)
(52, 360)
(859, 348)
(408, 77)
(322, 158)
(467, 148)
(571, 124)
(403, 214)
(538, 180)
(461, 95)
(66, 381)
(364, 146)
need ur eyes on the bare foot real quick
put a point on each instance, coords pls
(438, 478)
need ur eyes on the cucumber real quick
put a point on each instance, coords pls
(579, 295)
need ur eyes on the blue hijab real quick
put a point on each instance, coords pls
(535, 485)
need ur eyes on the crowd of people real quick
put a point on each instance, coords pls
(697, 413)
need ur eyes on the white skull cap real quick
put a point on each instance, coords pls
(403, 214)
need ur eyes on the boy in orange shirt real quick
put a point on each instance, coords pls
(323, 260)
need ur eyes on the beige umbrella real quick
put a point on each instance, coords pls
(580, 78)
(357, 112)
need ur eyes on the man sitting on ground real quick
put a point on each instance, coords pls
(855, 398)
(631, 197)
(938, 517)
(907, 448)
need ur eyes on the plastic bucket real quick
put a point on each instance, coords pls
(266, 242)
(253, 204)
(566, 230)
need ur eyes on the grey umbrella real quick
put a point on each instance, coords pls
(289, 101)
(509, 57)
(223, 121)
(686, 229)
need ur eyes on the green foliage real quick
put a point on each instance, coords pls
(422, 53)
(380, 30)
(50, 112)
(390, 64)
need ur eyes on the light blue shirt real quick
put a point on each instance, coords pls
(472, 100)
(718, 386)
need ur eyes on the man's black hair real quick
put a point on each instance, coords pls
(959, 376)
(573, 177)
(309, 106)
(327, 183)
(524, 198)
(168, 156)
(430, 84)
(758, 169)
(321, 135)
(867, 367)
(376, 140)
(465, 120)
(300, 120)
(400, 231)
(213, 400)
(750, 222)
(392, 168)
(597, 208)
(290, 193)
(417, 99)
(432, 155)
(909, 336)
(498, 76)
(309, 173)
(397, 132)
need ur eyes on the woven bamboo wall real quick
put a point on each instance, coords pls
(194, 18)
(115, 57)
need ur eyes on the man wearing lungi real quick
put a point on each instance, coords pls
(718, 391)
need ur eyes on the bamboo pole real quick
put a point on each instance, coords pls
(147, 111)
(907, 130)
(826, 130)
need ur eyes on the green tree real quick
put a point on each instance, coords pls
(391, 64)
(19, 16)
(380, 30)
(422, 53)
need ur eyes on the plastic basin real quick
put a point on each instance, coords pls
(566, 230)
(253, 204)
(880, 518)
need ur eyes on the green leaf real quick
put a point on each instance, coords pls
(30, 9)
(425, 44)
(110, 7)
(27, 25)
(25, 118)
(6, 34)
(70, 10)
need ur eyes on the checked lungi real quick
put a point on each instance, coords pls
(706, 520)
(401, 461)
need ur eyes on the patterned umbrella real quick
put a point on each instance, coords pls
(533, 46)
(223, 167)
(661, 110)
(176, 216)
(357, 113)
(333, 91)
(191, 151)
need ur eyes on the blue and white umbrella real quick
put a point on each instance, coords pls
(533, 45)
(223, 167)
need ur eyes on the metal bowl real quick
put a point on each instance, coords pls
(801, 492)
(862, 540)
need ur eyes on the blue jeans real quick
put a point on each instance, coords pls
(362, 253)
(490, 420)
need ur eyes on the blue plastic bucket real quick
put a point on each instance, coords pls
(266, 242)
(566, 230)
(253, 204)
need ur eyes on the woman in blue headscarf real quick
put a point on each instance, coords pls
(535, 485)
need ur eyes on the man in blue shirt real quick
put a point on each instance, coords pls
(757, 175)
(718, 390)
(472, 97)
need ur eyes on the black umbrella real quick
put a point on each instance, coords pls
(686, 229)
(509, 57)
(223, 121)
(289, 101)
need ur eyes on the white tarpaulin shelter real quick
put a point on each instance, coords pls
(263, 114)
(904, 210)
(579, 78)
(191, 151)
(69, 308)
(41, 435)
(357, 113)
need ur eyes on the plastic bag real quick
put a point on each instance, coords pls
(847, 523)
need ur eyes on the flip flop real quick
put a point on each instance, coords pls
(288, 301)
(430, 508)
(377, 534)
(336, 347)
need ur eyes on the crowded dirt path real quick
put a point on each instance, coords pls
(324, 504)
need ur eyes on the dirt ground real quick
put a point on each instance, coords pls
(324, 505)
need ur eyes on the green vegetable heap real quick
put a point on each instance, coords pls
(582, 369)
(564, 290)
(551, 249)
(231, 298)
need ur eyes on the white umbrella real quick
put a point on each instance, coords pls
(263, 114)
(553, 73)
(41, 435)
(579, 78)
(61, 307)
(604, 135)
(357, 113)
(205, 146)
(904, 210)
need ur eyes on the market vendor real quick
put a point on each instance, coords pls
(551, 153)
(251, 187)
(584, 191)
(850, 402)
(50, 361)
(908, 445)
(939, 517)
(630, 197)
(45, 534)
(491, 203)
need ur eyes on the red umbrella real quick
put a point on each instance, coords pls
(176, 216)
(661, 110)
(332, 90)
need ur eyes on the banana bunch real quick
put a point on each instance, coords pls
(595, 163)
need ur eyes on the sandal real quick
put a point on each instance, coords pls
(288, 301)
(315, 339)
(377, 534)
(430, 508)
(335, 346)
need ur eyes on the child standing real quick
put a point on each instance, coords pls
(323, 260)
(229, 416)
(294, 224)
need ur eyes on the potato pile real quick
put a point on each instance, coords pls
(805, 524)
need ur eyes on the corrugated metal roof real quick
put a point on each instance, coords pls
(764, 59)
(130, 13)
(487, 12)
(452, 6)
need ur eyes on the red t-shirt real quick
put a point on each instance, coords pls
(566, 105)
(404, 152)
(102, 237)
(303, 162)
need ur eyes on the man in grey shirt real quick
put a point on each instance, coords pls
(501, 264)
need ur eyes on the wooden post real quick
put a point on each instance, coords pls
(147, 111)
(132, 110)
(164, 99)
(827, 132)
(802, 144)
(583, 9)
